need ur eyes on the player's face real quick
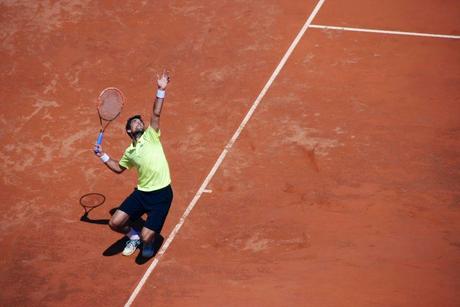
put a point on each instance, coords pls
(137, 125)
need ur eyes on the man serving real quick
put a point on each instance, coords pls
(153, 194)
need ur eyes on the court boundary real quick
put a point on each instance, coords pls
(222, 156)
(324, 27)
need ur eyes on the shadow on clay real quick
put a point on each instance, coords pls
(156, 247)
(93, 200)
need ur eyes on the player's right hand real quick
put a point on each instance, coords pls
(97, 149)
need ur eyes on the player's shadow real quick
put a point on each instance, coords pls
(156, 247)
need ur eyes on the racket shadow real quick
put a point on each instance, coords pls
(89, 202)
(85, 218)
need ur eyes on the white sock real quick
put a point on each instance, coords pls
(133, 234)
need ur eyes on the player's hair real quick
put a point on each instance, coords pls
(128, 122)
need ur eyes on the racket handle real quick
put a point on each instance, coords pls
(99, 138)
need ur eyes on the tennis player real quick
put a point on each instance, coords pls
(153, 194)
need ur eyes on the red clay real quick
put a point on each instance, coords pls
(343, 190)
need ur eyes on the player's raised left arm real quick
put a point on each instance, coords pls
(162, 82)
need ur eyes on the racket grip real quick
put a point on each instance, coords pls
(99, 138)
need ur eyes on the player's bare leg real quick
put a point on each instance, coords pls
(119, 222)
(148, 237)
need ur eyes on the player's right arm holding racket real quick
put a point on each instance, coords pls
(111, 163)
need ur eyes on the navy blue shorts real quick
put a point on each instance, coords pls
(156, 204)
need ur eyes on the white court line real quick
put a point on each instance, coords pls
(222, 155)
(384, 31)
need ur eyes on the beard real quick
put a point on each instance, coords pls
(136, 135)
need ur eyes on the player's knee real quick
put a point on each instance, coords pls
(118, 220)
(114, 225)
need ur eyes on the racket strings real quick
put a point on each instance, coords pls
(111, 103)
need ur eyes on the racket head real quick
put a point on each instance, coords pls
(92, 200)
(110, 103)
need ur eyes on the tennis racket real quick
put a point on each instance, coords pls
(110, 103)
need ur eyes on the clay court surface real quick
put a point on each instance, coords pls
(343, 189)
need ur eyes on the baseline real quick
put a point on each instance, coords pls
(384, 31)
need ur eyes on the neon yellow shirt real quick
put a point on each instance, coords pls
(149, 160)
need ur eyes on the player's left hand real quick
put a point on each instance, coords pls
(163, 80)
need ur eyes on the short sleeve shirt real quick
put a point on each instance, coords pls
(148, 157)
